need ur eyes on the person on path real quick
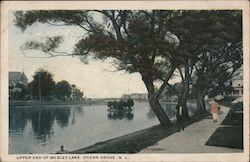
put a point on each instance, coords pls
(215, 110)
(179, 116)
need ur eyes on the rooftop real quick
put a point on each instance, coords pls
(17, 76)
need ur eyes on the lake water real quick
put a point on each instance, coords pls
(44, 130)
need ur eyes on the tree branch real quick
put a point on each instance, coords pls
(115, 25)
(174, 89)
(181, 74)
(164, 84)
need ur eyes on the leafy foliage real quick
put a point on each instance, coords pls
(25, 19)
(153, 43)
(121, 105)
(76, 93)
(50, 44)
(62, 89)
(44, 81)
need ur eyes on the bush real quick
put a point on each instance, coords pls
(121, 104)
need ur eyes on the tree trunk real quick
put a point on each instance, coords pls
(201, 103)
(185, 109)
(154, 101)
(158, 110)
(185, 99)
(185, 94)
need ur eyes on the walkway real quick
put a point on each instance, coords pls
(192, 139)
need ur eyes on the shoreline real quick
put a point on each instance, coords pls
(37, 104)
(137, 141)
(52, 104)
(134, 142)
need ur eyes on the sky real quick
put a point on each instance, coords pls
(96, 79)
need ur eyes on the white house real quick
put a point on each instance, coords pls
(237, 83)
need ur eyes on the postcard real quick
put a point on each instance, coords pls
(125, 81)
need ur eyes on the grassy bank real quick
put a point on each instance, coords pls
(134, 142)
(231, 137)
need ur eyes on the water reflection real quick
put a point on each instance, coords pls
(170, 110)
(17, 120)
(42, 119)
(121, 115)
(150, 114)
(78, 109)
(43, 130)
(62, 116)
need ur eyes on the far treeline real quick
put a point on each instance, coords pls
(45, 88)
(202, 47)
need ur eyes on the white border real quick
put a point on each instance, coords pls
(28, 5)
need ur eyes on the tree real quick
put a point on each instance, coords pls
(76, 94)
(215, 69)
(136, 40)
(43, 84)
(219, 61)
(18, 90)
(63, 90)
(130, 103)
(121, 104)
(152, 43)
(202, 32)
(24, 92)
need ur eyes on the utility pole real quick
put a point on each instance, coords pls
(39, 86)
(128, 94)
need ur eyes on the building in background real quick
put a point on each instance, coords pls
(17, 84)
(135, 96)
(17, 77)
(236, 83)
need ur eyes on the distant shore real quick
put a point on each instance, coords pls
(26, 104)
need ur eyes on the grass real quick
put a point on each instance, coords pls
(231, 137)
(235, 115)
(233, 119)
(227, 100)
